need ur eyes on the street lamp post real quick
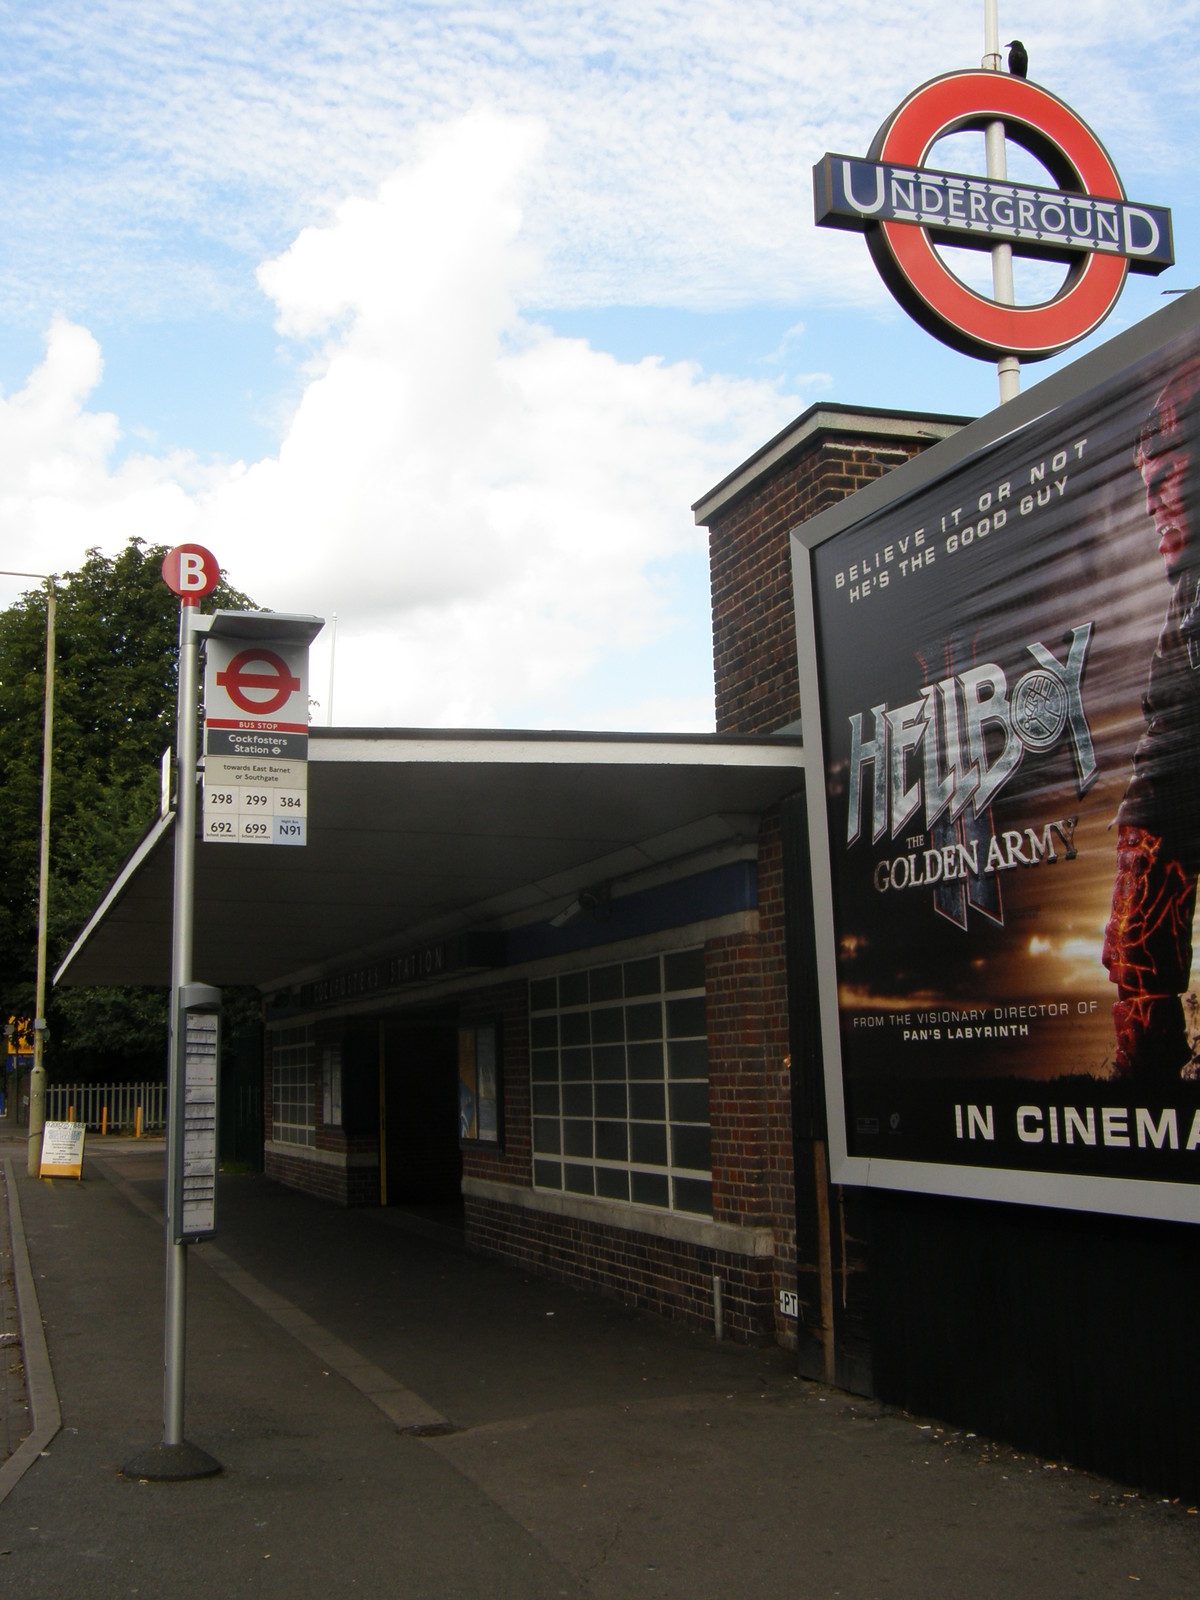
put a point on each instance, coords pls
(37, 1078)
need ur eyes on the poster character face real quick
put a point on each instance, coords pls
(1166, 457)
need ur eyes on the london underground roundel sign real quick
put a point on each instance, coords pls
(259, 681)
(905, 207)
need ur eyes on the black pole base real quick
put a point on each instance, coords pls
(172, 1463)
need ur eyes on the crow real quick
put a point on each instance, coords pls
(1018, 59)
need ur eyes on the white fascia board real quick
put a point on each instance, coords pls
(560, 750)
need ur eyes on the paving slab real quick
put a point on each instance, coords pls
(582, 1449)
(14, 1404)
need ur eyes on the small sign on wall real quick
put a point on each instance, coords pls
(479, 1079)
(62, 1150)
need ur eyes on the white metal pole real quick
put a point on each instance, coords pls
(332, 653)
(37, 1078)
(991, 36)
(1008, 368)
(174, 1342)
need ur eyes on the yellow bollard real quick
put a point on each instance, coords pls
(70, 1113)
(137, 1124)
(103, 1121)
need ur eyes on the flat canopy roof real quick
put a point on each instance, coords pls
(418, 835)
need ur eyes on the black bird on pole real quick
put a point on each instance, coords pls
(1018, 59)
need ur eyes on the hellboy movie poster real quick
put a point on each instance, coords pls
(1009, 661)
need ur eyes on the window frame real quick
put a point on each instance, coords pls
(297, 1073)
(615, 1095)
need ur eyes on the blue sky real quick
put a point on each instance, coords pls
(439, 316)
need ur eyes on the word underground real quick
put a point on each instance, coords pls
(945, 733)
(981, 211)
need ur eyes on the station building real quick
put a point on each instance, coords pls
(542, 980)
(559, 987)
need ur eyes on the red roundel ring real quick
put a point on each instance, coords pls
(1042, 124)
(274, 679)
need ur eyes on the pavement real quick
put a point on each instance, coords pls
(396, 1415)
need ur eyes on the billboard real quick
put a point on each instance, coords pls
(1000, 681)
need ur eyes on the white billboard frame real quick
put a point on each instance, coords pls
(1139, 1197)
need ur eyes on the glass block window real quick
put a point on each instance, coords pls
(331, 1086)
(619, 1068)
(293, 1085)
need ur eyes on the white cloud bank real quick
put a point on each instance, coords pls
(493, 512)
(151, 152)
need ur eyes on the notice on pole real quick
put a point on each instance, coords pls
(62, 1150)
(252, 800)
(255, 742)
(198, 1214)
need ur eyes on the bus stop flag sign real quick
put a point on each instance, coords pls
(255, 737)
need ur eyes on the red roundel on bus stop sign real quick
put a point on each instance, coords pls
(191, 572)
(259, 681)
(1049, 130)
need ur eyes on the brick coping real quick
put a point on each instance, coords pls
(731, 1237)
(321, 1158)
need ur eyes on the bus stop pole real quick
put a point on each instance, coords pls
(174, 1457)
(174, 1342)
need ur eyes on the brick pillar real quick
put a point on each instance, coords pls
(827, 454)
(754, 623)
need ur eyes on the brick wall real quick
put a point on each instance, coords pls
(351, 1178)
(778, 1178)
(342, 1185)
(754, 625)
(663, 1275)
(757, 692)
(749, 1084)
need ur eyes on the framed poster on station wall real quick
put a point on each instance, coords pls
(999, 650)
(480, 1086)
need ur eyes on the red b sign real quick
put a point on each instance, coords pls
(191, 572)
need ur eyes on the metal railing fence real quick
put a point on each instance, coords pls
(86, 1102)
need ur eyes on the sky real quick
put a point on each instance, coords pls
(438, 317)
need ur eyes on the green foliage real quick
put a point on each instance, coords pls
(117, 633)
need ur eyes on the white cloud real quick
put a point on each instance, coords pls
(151, 153)
(58, 495)
(492, 511)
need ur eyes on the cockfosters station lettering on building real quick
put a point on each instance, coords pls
(1007, 667)
(443, 958)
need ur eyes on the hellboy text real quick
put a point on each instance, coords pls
(965, 737)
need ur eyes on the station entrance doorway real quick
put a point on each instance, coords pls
(419, 1115)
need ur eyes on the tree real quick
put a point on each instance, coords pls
(117, 630)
